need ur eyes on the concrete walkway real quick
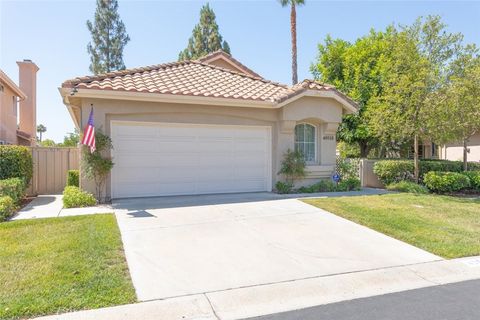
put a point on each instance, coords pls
(266, 299)
(49, 206)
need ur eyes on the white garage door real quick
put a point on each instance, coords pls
(158, 159)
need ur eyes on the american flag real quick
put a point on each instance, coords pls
(89, 133)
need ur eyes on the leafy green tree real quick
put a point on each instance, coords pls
(415, 70)
(400, 112)
(355, 69)
(95, 165)
(293, 30)
(109, 37)
(457, 104)
(71, 139)
(48, 143)
(41, 129)
(205, 37)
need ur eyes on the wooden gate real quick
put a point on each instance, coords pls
(50, 166)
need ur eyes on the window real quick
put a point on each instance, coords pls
(305, 141)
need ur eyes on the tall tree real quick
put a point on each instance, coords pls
(416, 69)
(457, 104)
(438, 47)
(41, 129)
(400, 112)
(205, 37)
(356, 70)
(109, 37)
(293, 30)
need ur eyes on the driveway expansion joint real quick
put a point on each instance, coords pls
(211, 306)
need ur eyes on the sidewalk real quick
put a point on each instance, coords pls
(241, 303)
(49, 206)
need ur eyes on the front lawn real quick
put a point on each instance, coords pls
(446, 226)
(62, 264)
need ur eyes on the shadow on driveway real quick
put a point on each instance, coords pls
(166, 202)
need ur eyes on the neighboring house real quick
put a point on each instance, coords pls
(18, 123)
(206, 126)
(454, 151)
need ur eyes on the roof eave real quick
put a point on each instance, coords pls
(12, 85)
(159, 97)
(348, 106)
(66, 93)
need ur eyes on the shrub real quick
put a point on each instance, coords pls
(391, 171)
(16, 162)
(95, 165)
(407, 186)
(474, 177)
(348, 167)
(321, 186)
(349, 184)
(74, 197)
(293, 166)
(446, 181)
(283, 187)
(73, 178)
(7, 208)
(14, 188)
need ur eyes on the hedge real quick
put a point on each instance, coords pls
(16, 162)
(14, 188)
(73, 178)
(74, 197)
(474, 177)
(7, 208)
(446, 181)
(391, 171)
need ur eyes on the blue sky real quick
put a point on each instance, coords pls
(258, 33)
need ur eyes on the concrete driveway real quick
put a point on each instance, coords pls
(179, 246)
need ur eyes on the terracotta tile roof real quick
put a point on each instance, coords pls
(194, 78)
(220, 53)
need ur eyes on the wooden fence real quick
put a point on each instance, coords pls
(50, 166)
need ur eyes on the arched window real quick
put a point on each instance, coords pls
(306, 141)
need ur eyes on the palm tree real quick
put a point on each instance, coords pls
(41, 129)
(293, 30)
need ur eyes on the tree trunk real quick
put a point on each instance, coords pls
(465, 155)
(293, 26)
(364, 149)
(415, 159)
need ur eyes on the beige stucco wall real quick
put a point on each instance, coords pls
(454, 151)
(8, 116)
(324, 113)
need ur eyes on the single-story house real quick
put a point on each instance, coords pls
(206, 126)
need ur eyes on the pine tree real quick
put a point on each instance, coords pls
(109, 37)
(205, 37)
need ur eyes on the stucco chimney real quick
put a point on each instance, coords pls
(28, 108)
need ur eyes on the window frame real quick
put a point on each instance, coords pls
(315, 140)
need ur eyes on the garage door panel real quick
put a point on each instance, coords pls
(172, 159)
(137, 131)
(136, 146)
(131, 160)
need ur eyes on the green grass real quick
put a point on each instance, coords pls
(62, 264)
(446, 226)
